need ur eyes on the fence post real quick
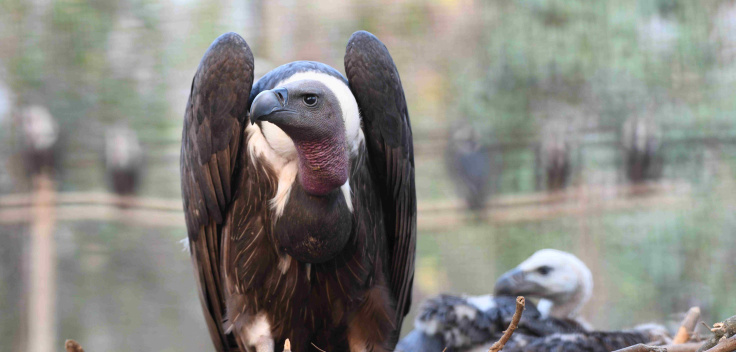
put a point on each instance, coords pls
(42, 284)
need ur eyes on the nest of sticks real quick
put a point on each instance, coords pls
(723, 338)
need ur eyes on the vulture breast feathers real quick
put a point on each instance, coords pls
(299, 199)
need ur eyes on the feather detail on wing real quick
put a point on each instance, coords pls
(375, 83)
(215, 116)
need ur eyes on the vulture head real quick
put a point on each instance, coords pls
(470, 161)
(311, 115)
(557, 276)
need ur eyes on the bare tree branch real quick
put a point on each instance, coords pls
(640, 347)
(520, 303)
(723, 330)
(683, 347)
(688, 326)
(724, 345)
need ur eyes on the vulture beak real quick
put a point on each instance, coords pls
(267, 104)
(513, 282)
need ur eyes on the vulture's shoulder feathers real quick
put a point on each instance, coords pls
(213, 125)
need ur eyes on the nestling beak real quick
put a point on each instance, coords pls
(267, 103)
(513, 283)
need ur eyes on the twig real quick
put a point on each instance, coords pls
(640, 347)
(724, 345)
(315, 346)
(498, 345)
(73, 346)
(683, 347)
(722, 331)
(688, 326)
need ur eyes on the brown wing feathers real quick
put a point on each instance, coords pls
(375, 82)
(213, 124)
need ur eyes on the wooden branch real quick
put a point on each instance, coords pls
(721, 331)
(96, 198)
(42, 276)
(498, 345)
(640, 347)
(724, 345)
(688, 326)
(572, 194)
(73, 346)
(142, 217)
(432, 216)
(520, 214)
(683, 347)
(678, 343)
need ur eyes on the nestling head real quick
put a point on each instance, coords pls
(557, 276)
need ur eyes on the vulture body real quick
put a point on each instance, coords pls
(40, 133)
(470, 161)
(642, 142)
(474, 323)
(553, 155)
(123, 160)
(301, 211)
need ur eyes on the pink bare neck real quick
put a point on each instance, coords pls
(323, 164)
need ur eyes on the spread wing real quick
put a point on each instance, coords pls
(213, 126)
(376, 85)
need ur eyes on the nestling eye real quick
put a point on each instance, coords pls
(310, 99)
(544, 270)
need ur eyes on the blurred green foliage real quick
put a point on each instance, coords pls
(64, 57)
(610, 58)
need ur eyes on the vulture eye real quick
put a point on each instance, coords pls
(310, 99)
(544, 270)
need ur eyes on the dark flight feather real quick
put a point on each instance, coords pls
(213, 124)
(375, 83)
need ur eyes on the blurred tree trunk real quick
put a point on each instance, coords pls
(41, 317)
